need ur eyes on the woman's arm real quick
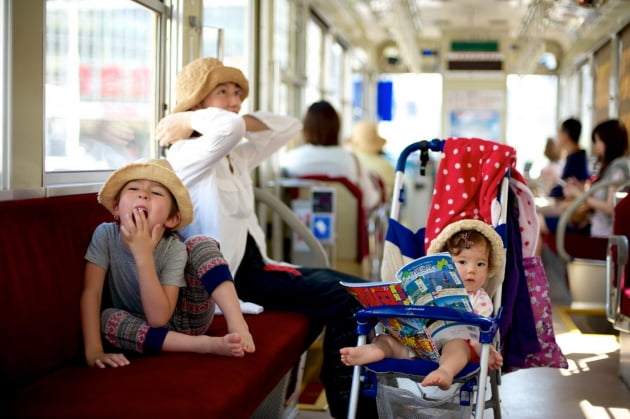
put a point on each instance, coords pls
(221, 132)
(262, 143)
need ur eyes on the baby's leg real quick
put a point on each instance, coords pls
(228, 345)
(455, 355)
(383, 346)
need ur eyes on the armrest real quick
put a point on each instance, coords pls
(319, 254)
(614, 277)
(566, 215)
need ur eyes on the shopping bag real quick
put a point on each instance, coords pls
(550, 354)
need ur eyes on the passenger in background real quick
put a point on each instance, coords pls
(321, 153)
(575, 168)
(552, 172)
(610, 147)
(368, 146)
(216, 166)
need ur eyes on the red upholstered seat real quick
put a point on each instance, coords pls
(41, 357)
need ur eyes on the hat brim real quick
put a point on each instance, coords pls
(214, 78)
(497, 252)
(150, 171)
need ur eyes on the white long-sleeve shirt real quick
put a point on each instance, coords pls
(224, 199)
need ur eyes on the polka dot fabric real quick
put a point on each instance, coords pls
(467, 183)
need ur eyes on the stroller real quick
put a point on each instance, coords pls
(393, 381)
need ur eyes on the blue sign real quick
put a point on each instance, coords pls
(321, 225)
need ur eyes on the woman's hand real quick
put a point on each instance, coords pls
(573, 188)
(173, 128)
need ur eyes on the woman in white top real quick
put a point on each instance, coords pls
(610, 147)
(215, 159)
(321, 153)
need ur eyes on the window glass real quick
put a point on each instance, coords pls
(233, 17)
(314, 45)
(530, 120)
(3, 97)
(335, 79)
(414, 116)
(100, 96)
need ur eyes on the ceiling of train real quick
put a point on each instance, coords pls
(417, 35)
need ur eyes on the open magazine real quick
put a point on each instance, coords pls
(429, 280)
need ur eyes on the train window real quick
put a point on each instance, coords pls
(100, 97)
(233, 16)
(531, 114)
(4, 135)
(314, 56)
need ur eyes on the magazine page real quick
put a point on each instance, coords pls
(374, 294)
(434, 280)
(410, 331)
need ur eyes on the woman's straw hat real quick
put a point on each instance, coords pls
(497, 253)
(199, 77)
(159, 171)
(365, 138)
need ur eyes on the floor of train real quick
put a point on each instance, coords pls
(590, 388)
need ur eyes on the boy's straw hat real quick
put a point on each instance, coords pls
(497, 254)
(365, 137)
(199, 77)
(159, 171)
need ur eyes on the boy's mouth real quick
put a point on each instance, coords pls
(143, 209)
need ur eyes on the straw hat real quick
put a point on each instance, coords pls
(365, 137)
(159, 171)
(497, 254)
(199, 77)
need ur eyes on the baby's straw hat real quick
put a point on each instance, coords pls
(199, 77)
(159, 171)
(497, 254)
(365, 137)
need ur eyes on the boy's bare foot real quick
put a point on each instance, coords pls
(361, 355)
(247, 340)
(439, 378)
(228, 345)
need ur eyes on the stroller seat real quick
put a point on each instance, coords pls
(496, 191)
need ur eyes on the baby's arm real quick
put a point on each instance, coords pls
(91, 320)
(225, 297)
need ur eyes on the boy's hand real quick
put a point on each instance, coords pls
(137, 235)
(104, 360)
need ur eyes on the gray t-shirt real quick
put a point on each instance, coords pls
(106, 250)
(601, 223)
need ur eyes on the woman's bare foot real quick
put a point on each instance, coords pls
(439, 378)
(228, 345)
(361, 355)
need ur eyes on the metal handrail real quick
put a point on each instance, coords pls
(320, 257)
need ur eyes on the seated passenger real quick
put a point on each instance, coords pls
(575, 168)
(368, 146)
(476, 257)
(216, 166)
(321, 153)
(610, 147)
(140, 264)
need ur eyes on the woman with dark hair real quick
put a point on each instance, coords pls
(321, 153)
(610, 147)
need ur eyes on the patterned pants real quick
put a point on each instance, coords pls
(193, 314)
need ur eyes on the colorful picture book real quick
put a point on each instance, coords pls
(429, 280)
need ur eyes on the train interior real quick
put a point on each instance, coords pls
(501, 70)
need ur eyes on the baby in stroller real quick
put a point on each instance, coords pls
(477, 251)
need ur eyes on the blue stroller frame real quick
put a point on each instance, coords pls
(474, 376)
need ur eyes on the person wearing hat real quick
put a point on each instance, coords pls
(368, 147)
(477, 251)
(155, 296)
(214, 150)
